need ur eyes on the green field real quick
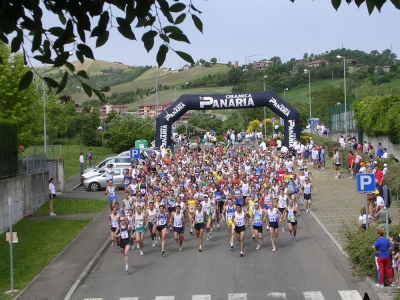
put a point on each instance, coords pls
(71, 155)
(148, 80)
(72, 206)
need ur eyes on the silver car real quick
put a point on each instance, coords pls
(97, 180)
(110, 160)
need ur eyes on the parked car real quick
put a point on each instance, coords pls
(111, 160)
(96, 172)
(98, 179)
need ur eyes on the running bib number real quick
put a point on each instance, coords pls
(124, 235)
(139, 224)
(177, 224)
(230, 217)
(272, 219)
(239, 223)
(257, 220)
(114, 223)
(199, 219)
(191, 207)
(161, 222)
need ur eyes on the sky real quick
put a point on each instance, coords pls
(236, 29)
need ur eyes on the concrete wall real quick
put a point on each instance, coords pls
(391, 148)
(31, 191)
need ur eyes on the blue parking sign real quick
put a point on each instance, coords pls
(135, 153)
(365, 183)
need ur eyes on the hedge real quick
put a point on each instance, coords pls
(8, 148)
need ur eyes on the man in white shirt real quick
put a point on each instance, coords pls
(109, 172)
(385, 154)
(284, 149)
(263, 145)
(278, 144)
(81, 163)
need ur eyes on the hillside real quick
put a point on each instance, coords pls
(148, 80)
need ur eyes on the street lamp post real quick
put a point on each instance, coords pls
(284, 93)
(157, 95)
(309, 87)
(345, 96)
(265, 116)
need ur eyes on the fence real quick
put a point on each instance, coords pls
(32, 163)
(53, 151)
(337, 117)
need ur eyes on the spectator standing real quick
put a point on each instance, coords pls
(382, 249)
(379, 151)
(89, 157)
(385, 154)
(378, 178)
(109, 172)
(52, 196)
(357, 160)
(81, 163)
(350, 163)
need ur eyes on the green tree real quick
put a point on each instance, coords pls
(24, 107)
(48, 45)
(213, 60)
(123, 131)
(328, 96)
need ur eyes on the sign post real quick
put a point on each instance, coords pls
(365, 183)
(12, 239)
(135, 153)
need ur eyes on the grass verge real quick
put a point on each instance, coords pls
(71, 154)
(39, 242)
(67, 207)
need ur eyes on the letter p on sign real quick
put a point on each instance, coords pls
(135, 153)
(365, 183)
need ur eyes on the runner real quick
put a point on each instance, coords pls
(113, 221)
(200, 216)
(191, 207)
(171, 206)
(307, 188)
(239, 218)
(127, 179)
(257, 218)
(112, 192)
(274, 217)
(127, 203)
(207, 207)
(123, 233)
(292, 212)
(226, 215)
(140, 227)
(161, 226)
(283, 202)
(179, 225)
(151, 216)
(131, 227)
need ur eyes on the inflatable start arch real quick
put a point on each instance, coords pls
(231, 101)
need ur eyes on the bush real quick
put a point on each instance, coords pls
(392, 177)
(358, 247)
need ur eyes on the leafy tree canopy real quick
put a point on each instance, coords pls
(21, 21)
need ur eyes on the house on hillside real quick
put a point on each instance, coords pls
(384, 68)
(262, 65)
(317, 63)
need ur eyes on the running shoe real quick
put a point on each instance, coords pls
(258, 247)
(162, 252)
(141, 252)
(294, 240)
(267, 228)
(254, 237)
(153, 243)
(52, 214)
(273, 249)
(210, 236)
(180, 248)
(290, 236)
(126, 268)
(241, 253)
(231, 247)
(217, 225)
(307, 211)
(200, 249)
(191, 232)
(283, 230)
(394, 284)
(212, 229)
(133, 247)
(379, 285)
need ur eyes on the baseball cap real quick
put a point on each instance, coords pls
(376, 192)
(385, 165)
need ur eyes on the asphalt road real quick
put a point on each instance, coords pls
(311, 268)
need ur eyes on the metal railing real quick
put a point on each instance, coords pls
(32, 163)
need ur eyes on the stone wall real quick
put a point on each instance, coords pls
(31, 191)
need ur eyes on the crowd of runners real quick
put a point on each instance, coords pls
(244, 187)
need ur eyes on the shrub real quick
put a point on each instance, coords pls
(392, 177)
(358, 247)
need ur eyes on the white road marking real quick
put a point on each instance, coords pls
(350, 295)
(201, 297)
(276, 296)
(129, 298)
(237, 296)
(165, 298)
(93, 299)
(313, 296)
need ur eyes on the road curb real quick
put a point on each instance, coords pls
(76, 186)
(85, 273)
